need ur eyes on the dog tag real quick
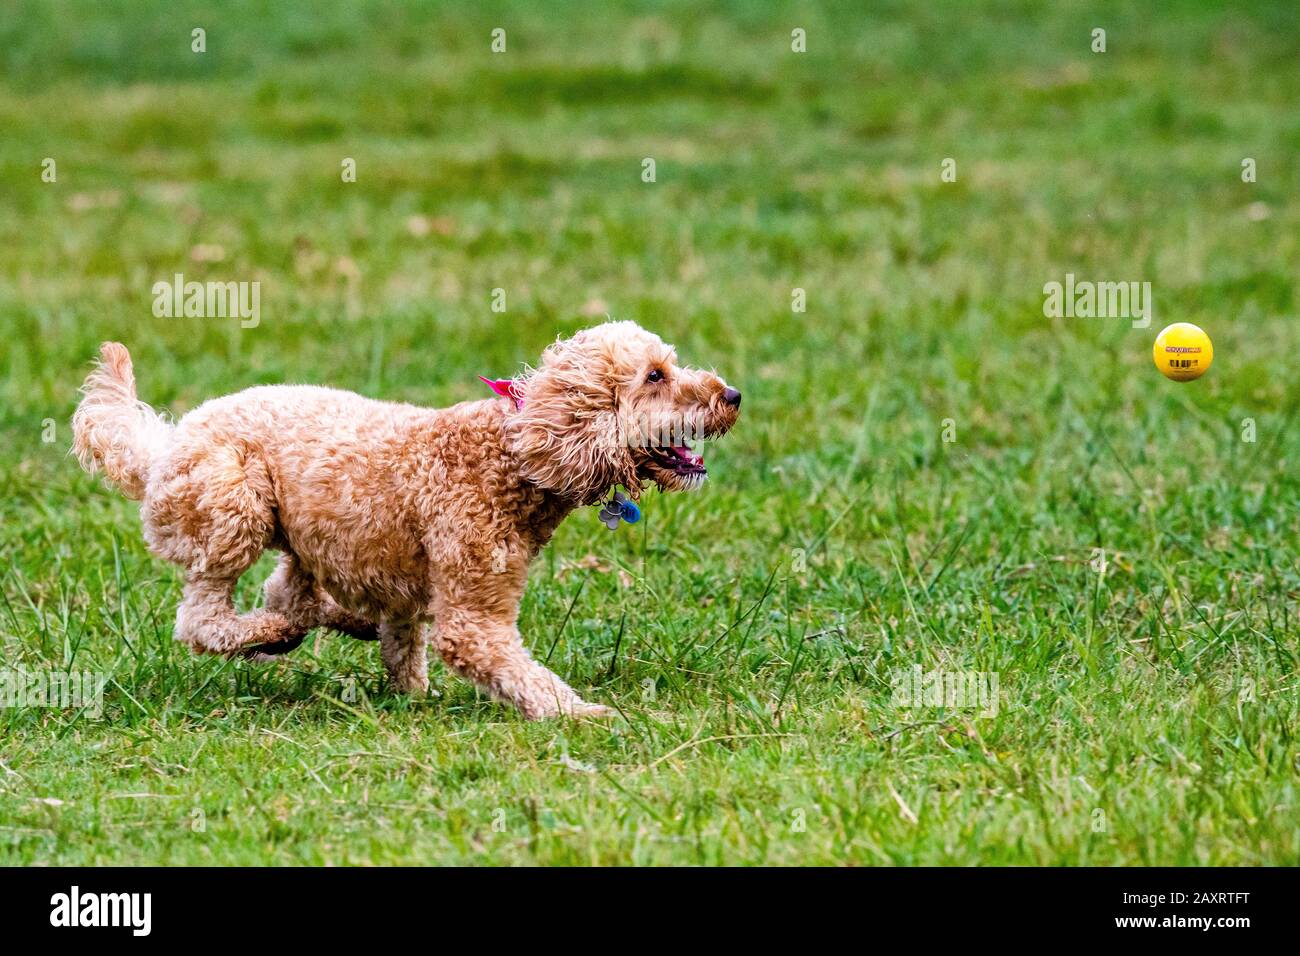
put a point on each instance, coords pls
(619, 508)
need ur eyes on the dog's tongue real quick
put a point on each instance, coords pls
(687, 455)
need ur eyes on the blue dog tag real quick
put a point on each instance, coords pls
(619, 508)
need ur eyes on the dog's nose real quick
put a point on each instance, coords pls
(731, 396)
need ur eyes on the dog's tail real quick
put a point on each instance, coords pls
(114, 431)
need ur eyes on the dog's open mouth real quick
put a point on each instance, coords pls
(679, 459)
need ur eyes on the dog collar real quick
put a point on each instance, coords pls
(506, 388)
(619, 508)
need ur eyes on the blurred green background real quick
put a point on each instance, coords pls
(748, 631)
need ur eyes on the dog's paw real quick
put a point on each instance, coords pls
(261, 653)
(580, 708)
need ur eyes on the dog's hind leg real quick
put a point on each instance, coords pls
(404, 647)
(212, 511)
(207, 619)
(291, 591)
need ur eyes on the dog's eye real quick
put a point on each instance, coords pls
(655, 376)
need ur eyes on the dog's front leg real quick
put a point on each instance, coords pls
(486, 648)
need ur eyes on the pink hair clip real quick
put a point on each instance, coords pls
(506, 388)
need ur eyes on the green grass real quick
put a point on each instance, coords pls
(1148, 714)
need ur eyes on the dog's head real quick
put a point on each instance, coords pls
(611, 406)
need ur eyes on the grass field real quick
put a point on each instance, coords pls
(1148, 705)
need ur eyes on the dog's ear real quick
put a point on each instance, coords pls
(567, 436)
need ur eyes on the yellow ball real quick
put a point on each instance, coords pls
(1182, 352)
